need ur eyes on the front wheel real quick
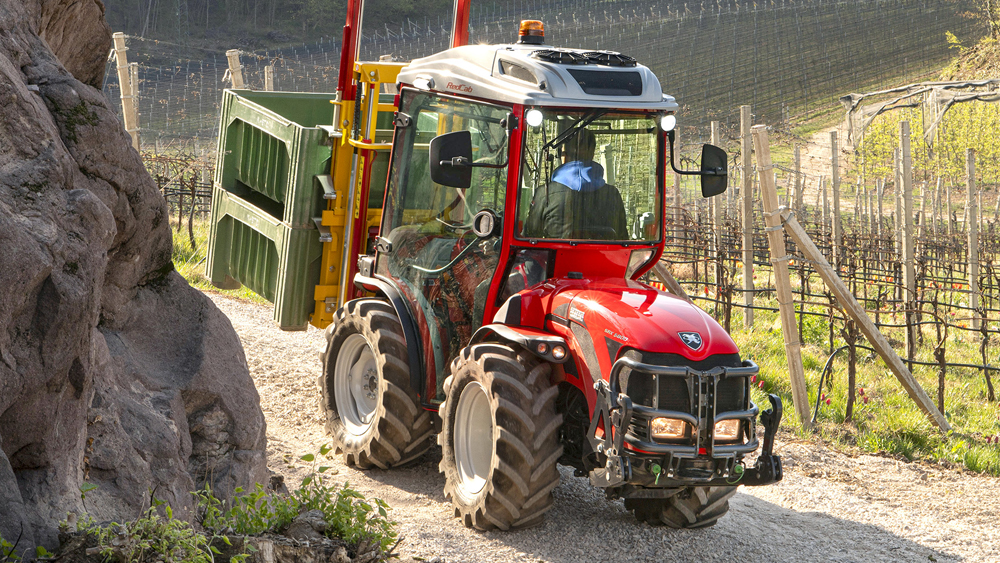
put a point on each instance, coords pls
(691, 507)
(499, 438)
(371, 412)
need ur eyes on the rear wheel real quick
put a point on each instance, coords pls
(371, 412)
(692, 507)
(499, 438)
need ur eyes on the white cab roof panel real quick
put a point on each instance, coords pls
(540, 75)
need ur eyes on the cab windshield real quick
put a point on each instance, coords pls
(591, 176)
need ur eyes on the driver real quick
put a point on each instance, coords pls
(578, 203)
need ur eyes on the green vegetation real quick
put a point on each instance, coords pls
(347, 513)
(885, 419)
(961, 128)
(7, 551)
(157, 536)
(190, 262)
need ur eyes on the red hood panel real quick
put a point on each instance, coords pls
(640, 317)
(600, 318)
(632, 314)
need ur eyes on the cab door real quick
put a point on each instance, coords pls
(438, 264)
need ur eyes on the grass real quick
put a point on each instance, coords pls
(190, 262)
(889, 422)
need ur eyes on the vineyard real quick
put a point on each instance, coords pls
(847, 192)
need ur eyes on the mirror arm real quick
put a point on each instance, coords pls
(462, 161)
(715, 172)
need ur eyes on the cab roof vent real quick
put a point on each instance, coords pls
(609, 58)
(561, 57)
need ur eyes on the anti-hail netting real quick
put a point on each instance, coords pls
(783, 57)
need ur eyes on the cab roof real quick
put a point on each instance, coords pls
(540, 75)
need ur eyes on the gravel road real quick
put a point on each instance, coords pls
(830, 506)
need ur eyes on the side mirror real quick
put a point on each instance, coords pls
(714, 171)
(714, 168)
(451, 159)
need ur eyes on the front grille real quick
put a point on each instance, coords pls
(730, 394)
(674, 392)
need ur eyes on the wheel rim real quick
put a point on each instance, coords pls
(355, 381)
(473, 440)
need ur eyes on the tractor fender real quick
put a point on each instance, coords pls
(531, 339)
(413, 347)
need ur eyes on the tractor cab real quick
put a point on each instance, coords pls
(514, 164)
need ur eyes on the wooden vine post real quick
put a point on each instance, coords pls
(849, 303)
(127, 89)
(972, 204)
(909, 271)
(779, 259)
(235, 70)
(269, 78)
(798, 178)
(717, 214)
(746, 191)
(838, 233)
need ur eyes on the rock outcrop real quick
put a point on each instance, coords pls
(113, 371)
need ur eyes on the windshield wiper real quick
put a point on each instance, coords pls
(575, 128)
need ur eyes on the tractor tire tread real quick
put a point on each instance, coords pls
(402, 430)
(518, 491)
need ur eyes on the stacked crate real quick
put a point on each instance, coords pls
(272, 152)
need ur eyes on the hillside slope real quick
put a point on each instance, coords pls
(979, 61)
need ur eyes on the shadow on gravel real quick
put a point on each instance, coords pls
(583, 526)
(420, 478)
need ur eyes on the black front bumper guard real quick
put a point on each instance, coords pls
(665, 465)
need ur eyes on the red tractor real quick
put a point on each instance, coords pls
(496, 304)
(525, 201)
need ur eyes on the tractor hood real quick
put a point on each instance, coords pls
(640, 317)
(604, 317)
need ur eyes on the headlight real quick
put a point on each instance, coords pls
(668, 428)
(726, 430)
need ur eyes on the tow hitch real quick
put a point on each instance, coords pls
(615, 410)
(767, 470)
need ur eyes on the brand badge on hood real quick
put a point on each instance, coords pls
(691, 339)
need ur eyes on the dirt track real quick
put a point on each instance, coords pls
(830, 506)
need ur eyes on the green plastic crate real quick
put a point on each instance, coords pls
(270, 150)
(280, 263)
(267, 197)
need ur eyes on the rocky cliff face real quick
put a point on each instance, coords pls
(113, 371)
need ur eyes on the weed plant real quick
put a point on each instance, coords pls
(158, 537)
(347, 513)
